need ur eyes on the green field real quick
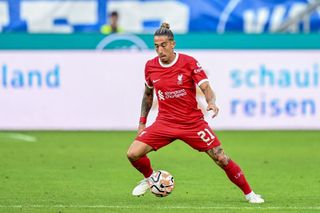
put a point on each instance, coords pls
(65, 172)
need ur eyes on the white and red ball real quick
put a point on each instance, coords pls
(161, 183)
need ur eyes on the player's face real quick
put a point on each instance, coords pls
(164, 48)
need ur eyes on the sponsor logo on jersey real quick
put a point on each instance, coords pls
(180, 76)
(160, 95)
(171, 94)
(142, 133)
(155, 81)
(210, 142)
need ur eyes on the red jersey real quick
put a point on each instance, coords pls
(175, 88)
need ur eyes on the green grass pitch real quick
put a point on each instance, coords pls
(64, 172)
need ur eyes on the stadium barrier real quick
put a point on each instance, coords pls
(79, 87)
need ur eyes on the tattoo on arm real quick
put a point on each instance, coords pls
(147, 101)
(208, 92)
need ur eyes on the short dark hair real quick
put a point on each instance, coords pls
(164, 30)
(113, 13)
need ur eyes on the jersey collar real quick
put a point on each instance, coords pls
(172, 63)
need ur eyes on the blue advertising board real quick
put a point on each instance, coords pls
(70, 16)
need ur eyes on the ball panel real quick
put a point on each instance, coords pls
(161, 183)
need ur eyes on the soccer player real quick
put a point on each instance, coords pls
(173, 77)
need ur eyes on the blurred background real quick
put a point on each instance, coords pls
(79, 64)
(71, 85)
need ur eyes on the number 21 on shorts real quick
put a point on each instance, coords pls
(206, 135)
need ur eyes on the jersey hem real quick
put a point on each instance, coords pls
(202, 81)
(150, 87)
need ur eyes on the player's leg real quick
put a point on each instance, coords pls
(234, 173)
(137, 155)
(201, 137)
(152, 138)
(232, 170)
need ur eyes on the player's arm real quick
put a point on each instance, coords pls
(146, 105)
(210, 98)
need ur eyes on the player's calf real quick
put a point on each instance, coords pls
(220, 158)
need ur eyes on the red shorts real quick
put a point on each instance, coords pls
(198, 135)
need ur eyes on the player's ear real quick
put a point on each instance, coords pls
(173, 44)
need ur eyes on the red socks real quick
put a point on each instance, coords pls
(232, 170)
(235, 174)
(143, 165)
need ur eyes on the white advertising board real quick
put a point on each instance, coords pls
(93, 90)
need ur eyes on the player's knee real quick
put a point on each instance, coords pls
(132, 156)
(222, 159)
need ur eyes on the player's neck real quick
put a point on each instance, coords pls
(171, 59)
(171, 62)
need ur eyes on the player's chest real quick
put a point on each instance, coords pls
(171, 79)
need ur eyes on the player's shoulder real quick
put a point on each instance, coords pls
(186, 58)
(152, 62)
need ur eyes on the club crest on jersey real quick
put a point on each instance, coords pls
(180, 76)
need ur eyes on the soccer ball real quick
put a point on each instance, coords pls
(161, 183)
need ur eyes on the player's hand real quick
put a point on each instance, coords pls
(141, 128)
(214, 108)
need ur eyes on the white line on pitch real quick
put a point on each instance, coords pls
(166, 207)
(18, 137)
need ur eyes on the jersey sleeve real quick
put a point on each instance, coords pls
(198, 74)
(147, 79)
